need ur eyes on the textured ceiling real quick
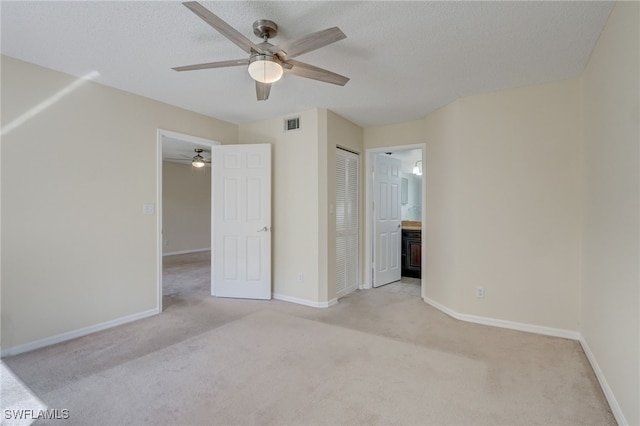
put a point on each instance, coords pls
(405, 59)
(179, 151)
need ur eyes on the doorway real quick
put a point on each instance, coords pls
(412, 204)
(188, 234)
(347, 224)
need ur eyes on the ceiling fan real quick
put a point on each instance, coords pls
(197, 160)
(266, 62)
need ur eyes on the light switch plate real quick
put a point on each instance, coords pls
(148, 208)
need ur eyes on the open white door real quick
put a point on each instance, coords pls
(241, 221)
(387, 227)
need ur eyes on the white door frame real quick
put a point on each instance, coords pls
(183, 137)
(368, 234)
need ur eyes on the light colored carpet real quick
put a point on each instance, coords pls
(380, 356)
(16, 400)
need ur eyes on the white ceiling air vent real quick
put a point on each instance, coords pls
(291, 124)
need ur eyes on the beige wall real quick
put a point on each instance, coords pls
(512, 170)
(611, 230)
(323, 157)
(77, 250)
(503, 202)
(341, 133)
(411, 132)
(295, 239)
(439, 182)
(186, 207)
(303, 192)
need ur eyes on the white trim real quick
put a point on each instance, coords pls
(512, 325)
(161, 133)
(159, 235)
(346, 291)
(59, 338)
(608, 393)
(305, 302)
(187, 138)
(173, 253)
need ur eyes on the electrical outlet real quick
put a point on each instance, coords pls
(480, 292)
(300, 277)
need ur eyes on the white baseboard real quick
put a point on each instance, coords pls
(185, 251)
(59, 338)
(530, 328)
(346, 291)
(608, 393)
(305, 302)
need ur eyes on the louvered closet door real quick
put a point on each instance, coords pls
(346, 222)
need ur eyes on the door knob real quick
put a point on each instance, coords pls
(263, 229)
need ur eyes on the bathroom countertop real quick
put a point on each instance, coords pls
(412, 225)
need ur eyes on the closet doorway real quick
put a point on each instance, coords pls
(347, 250)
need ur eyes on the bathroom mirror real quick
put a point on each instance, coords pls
(404, 191)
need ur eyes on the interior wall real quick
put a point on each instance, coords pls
(439, 176)
(518, 213)
(74, 235)
(611, 230)
(341, 133)
(408, 133)
(295, 213)
(186, 208)
(326, 265)
(514, 175)
(502, 186)
(303, 196)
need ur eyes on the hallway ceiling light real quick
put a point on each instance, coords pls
(198, 160)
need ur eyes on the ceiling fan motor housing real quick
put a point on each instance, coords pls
(265, 29)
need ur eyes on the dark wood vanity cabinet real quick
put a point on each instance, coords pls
(411, 253)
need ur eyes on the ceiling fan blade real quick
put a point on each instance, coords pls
(209, 65)
(263, 90)
(313, 41)
(222, 27)
(309, 71)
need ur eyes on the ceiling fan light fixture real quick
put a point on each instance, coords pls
(198, 161)
(265, 68)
